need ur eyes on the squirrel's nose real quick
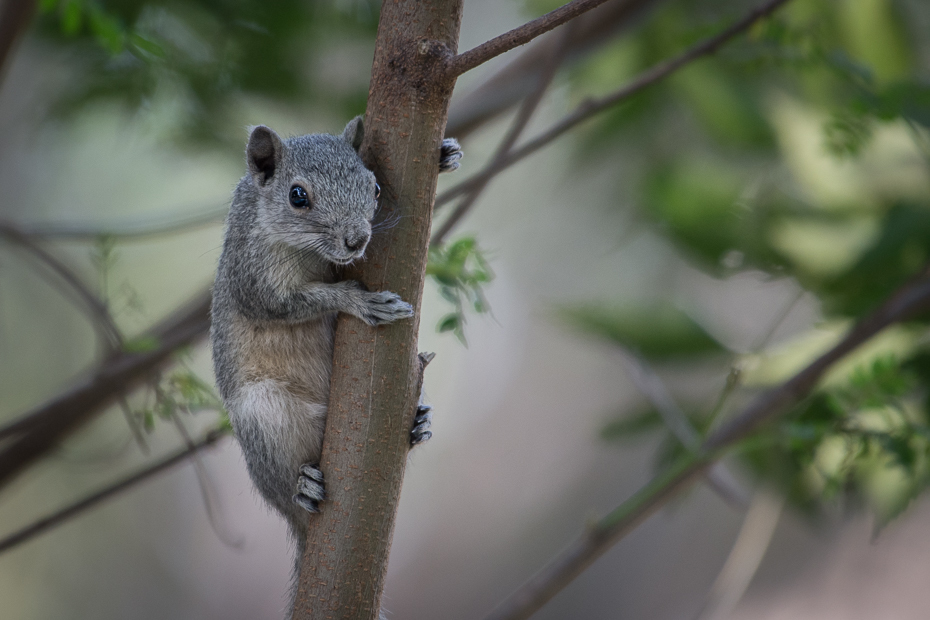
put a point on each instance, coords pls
(354, 242)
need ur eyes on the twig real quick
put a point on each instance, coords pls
(207, 493)
(57, 518)
(593, 106)
(651, 386)
(519, 77)
(908, 302)
(133, 424)
(140, 228)
(741, 565)
(36, 433)
(519, 124)
(467, 61)
(96, 310)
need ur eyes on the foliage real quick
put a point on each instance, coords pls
(800, 151)
(656, 333)
(181, 391)
(461, 271)
(202, 59)
(864, 440)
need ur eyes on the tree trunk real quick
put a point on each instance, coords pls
(376, 373)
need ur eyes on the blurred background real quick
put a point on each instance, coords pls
(652, 270)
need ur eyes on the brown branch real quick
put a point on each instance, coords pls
(94, 307)
(15, 17)
(375, 383)
(38, 432)
(909, 302)
(518, 79)
(594, 106)
(467, 61)
(529, 106)
(61, 516)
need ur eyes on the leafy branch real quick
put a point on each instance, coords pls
(907, 303)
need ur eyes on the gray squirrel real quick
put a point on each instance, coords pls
(304, 208)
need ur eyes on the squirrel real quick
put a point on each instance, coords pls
(304, 209)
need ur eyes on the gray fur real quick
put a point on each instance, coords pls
(275, 301)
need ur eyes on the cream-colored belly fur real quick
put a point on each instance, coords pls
(284, 383)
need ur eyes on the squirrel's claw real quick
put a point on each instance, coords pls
(310, 489)
(421, 425)
(449, 155)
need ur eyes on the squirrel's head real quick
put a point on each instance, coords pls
(314, 192)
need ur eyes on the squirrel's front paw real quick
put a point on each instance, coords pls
(310, 489)
(449, 155)
(384, 307)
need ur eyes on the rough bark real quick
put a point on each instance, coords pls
(376, 372)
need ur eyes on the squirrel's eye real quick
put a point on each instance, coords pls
(299, 198)
(377, 191)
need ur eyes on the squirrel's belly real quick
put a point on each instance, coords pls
(298, 357)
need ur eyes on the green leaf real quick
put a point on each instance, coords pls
(628, 426)
(449, 323)
(107, 29)
(71, 17)
(659, 333)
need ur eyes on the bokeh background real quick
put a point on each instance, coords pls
(709, 236)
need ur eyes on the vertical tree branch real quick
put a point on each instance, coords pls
(374, 387)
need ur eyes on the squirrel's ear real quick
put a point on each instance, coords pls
(263, 154)
(354, 132)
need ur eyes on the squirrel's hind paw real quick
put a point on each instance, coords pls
(421, 425)
(449, 155)
(310, 489)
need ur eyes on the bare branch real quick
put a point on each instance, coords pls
(57, 518)
(467, 61)
(741, 565)
(653, 388)
(592, 107)
(518, 79)
(519, 124)
(207, 488)
(140, 228)
(910, 301)
(96, 310)
(38, 432)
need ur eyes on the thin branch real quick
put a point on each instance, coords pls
(38, 432)
(94, 307)
(133, 424)
(592, 107)
(57, 518)
(519, 124)
(741, 565)
(139, 228)
(519, 77)
(653, 388)
(466, 61)
(207, 488)
(910, 301)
